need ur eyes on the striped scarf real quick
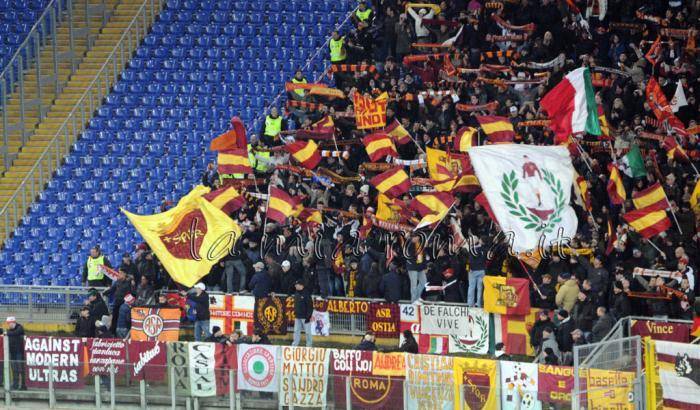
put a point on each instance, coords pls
(352, 68)
(491, 106)
(528, 28)
(305, 105)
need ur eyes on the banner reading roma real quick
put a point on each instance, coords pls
(555, 383)
(429, 382)
(383, 319)
(659, 330)
(370, 113)
(475, 383)
(63, 354)
(269, 315)
(304, 376)
(148, 360)
(104, 354)
(162, 324)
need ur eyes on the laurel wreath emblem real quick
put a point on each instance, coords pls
(481, 343)
(509, 193)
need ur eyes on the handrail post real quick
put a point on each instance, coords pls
(5, 137)
(37, 45)
(87, 24)
(71, 39)
(21, 97)
(54, 48)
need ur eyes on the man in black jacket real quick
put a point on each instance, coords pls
(303, 309)
(97, 305)
(545, 298)
(15, 336)
(200, 299)
(563, 336)
(84, 326)
(120, 288)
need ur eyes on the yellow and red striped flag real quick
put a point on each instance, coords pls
(394, 182)
(616, 190)
(506, 296)
(462, 183)
(227, 199)
(280, 205)
(648, 221)
(396, 131)
(310, 217)
(234, 161)
(323, 129)
(654, 196)
(498, 129)
(432, 207)
(465, 139)
(673, 150)
(378, 146)
(694, 197)
(388, 209)
(305, 152)
(604, 127)
(582, 190)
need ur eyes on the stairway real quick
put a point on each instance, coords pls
(73, 88)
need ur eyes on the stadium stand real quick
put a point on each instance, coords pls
(202, 63)
(16, 20)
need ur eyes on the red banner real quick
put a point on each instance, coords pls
(225, 360)
(660, 330)
(105, 353)
(383, 319)
(148, 360)
(354, 369)
(63, 354)
(555, 383)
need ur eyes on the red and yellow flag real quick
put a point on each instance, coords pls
(323, 129)
(394, 182)
(388, 209)
(673, 150)
(498, 129)
(234, 161)
(305, 152)
(506, 296)
(189, 238)
(280, 205)
(369, 112)
(648, 222)
(233, 138)
(465, 139)
(432, 207)
(227, 199)
(654, 196)
(582, 190)
(310, 217)
(616, 190)
(378, 146)
(604, 126)
(396, 131)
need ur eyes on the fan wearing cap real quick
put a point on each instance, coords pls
(124, 318)
(15, 337)
(290, 274)
(686, 271)
(84, 326)
(199, 299)
(96, 303)
(261, 282)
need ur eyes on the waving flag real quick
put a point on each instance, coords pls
(305, 152)
(616, 189)
(227, 199)
(632, 163)
(662, 110)
(465, 139)
(433, 207)
(571, 105)
(648, 221)
(378, 146)
(189, 238)
(234, 161)
(234, 138)
(396, 131)
(654, 196)
(581, 188)
(498, 129)
(323, 129)
(394, 182)
(280, 205)
(506, 296)
(673, 150)
(369, 112)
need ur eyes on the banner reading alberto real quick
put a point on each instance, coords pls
(429, 383)
(475, 383)
(370, 113)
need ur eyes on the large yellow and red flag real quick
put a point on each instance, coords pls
(396, 131)
(465, 139)
(227, 199)
(506, 296)
(648, 221)
(432, 207)
(653, 196)
(281, 205)
(370, 112)
(498, 129)
(189, 238)
(234, 161)
(233, 138)
(394, 182)
(616, 189)
(305, 152)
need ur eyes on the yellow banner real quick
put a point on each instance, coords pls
(370, 113)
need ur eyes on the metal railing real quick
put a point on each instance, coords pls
(78, 118)
(27, 61)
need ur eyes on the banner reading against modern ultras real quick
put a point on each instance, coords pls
(303, 376)
(56, 358)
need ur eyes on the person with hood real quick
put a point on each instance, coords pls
(602, 326)
(303, 310)
(217, 335)
(566, 326)
(549, 342)
(124, 317)
(290, 274)
(620, 306)
(568, 292)
(199, 297)
(367, 343)
(15, 338)
(543, 321)
(84, 326)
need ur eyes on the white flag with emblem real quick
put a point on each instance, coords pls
(528, 188)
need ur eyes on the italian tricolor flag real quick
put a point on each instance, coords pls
(571, 106)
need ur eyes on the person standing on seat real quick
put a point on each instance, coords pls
(274, 125)
(93, 276)
(303, 310)
(338, 54)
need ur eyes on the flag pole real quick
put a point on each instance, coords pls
(417, 146)
(685, 154)
(522, 265)
(267, 208)
(657, 248)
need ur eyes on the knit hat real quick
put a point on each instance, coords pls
(129, 299)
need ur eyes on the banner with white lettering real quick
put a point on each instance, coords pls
(61, 354)
(148, 360)
(467, 328)
(202, 375)
(106, 353)
(429, 382)
(353, 371)
(662, 330)
(304, 376)
(257, 367)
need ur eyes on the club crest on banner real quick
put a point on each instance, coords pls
(475, 338)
